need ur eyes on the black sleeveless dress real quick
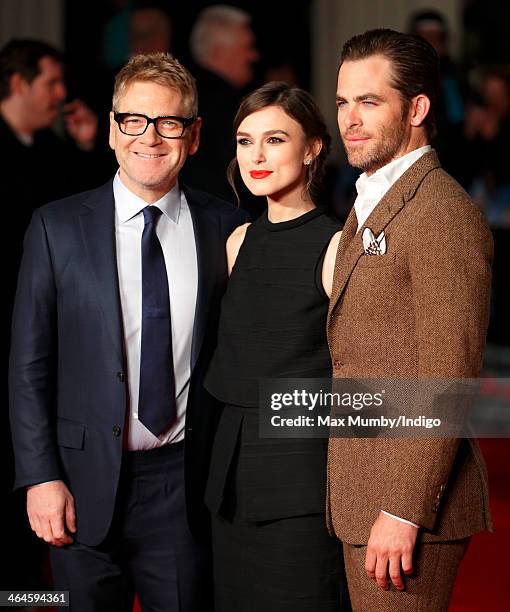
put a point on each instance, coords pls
(271, 547)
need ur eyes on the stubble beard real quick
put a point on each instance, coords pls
(389, 143)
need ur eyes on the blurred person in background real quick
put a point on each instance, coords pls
(488, 137)
(449, 143)
(115, 36)
(32, 96)
(150, 31)
(38, 165)
(282, 70)
(223, 48)
(135, 27)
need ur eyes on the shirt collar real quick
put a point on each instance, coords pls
(385, 177)
(25, 139)
(128, 205)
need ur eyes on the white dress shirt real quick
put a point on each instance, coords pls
(372, 188)
(370, 191)
(175, 233)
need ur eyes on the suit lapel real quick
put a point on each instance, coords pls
(351, 249)
(98, 232)
(208, 242)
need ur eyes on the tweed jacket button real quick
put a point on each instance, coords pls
(116, 431)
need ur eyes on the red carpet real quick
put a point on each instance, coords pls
(483, 584)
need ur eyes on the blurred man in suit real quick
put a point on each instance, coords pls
(32, 95)
(38, 166)
(115, 319)
(411, 303)
(223, 47)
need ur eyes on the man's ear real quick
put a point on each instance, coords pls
(195, 136)
(17, 84)
(420, 107)
(112, 133)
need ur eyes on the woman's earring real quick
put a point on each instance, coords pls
(307, 162)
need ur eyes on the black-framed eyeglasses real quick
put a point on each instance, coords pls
(134, 124)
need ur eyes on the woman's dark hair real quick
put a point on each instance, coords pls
(299, 105)
(414, 63)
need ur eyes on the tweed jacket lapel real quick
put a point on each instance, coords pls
(351, 247)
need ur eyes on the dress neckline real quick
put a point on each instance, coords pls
(291, 223)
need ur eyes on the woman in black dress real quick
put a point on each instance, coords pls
(272, 551)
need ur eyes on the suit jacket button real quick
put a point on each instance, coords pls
(121, 376)
(336, 363)
(116, 431)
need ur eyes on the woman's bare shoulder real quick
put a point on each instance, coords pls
(234, 242)
(238, 234)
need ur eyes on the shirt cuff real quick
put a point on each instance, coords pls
(401, 519)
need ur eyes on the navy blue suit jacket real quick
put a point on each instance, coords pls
(68, 395)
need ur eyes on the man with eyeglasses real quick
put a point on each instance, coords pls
(114, 323)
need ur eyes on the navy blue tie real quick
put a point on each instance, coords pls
(156, 399)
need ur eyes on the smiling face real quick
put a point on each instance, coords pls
(374, 123)
(150, 164)
(271, 150)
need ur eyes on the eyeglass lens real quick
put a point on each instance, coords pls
(135, 125)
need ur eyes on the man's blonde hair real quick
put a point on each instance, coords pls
(160, 68)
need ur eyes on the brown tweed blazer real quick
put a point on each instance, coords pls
(419, 311)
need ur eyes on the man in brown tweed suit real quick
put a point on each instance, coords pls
(415, 308)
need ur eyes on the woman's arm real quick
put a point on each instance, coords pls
(328, 266)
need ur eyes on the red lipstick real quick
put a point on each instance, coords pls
(260, 174)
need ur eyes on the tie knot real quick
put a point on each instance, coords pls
(151, 213)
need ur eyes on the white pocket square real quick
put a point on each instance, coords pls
(373, 245)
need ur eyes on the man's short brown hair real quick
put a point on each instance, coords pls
(414, 62)
(23, 57)
(162, 69)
